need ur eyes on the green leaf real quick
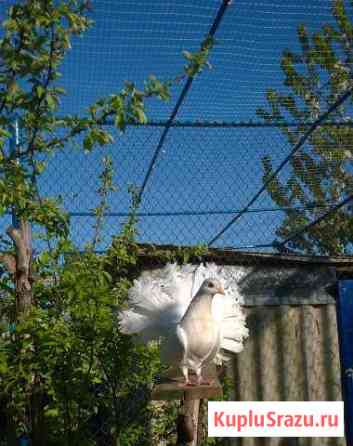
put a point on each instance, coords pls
(120, 121)
(88, 142)
(53, 413)
(141, 116)
(40, 91)
(51, 101)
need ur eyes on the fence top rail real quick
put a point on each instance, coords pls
(234, 124)
(155, 254)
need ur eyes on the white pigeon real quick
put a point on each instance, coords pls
(195, 328)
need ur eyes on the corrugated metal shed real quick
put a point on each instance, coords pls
(291, 354)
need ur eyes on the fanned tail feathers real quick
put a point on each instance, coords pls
(158, 301)
(233, 327)
(156, 304)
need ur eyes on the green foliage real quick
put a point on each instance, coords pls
(198, 60)
(320, 173)
(107, 187)
(70, 352)
(67, 375)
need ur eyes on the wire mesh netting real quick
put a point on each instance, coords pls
(253, 154)
(191, 191)
(201, 180)
(132, 39)
(200, 170)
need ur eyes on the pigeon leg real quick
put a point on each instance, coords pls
(200, 380)
(199, 376)
(186, 375)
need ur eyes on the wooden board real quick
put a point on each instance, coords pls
(173, 388)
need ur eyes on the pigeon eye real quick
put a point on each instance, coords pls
(211, 285)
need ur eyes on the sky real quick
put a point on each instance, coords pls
(214, 171)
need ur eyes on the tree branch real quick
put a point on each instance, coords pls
(45, 86)
(20, 243)
(9, 260)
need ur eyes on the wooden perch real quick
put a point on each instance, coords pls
(172, 387)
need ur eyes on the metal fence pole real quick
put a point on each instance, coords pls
(345, 336)
(14, 143)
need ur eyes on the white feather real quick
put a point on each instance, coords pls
(158, 301)
(232, 345)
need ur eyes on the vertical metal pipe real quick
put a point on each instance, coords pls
(14, 143)
(345, 331)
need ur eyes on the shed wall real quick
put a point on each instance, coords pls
(292, 354)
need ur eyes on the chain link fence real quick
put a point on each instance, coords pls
(218, 172)
(203, 178)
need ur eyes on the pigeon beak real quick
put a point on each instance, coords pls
(221, 290)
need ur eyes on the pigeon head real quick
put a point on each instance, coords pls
(212, 286)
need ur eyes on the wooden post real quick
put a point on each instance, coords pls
(188, 423)
(173, 388)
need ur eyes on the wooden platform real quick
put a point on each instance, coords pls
(173, 388)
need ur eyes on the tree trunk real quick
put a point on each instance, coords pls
(21, 237)
(23, 279)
